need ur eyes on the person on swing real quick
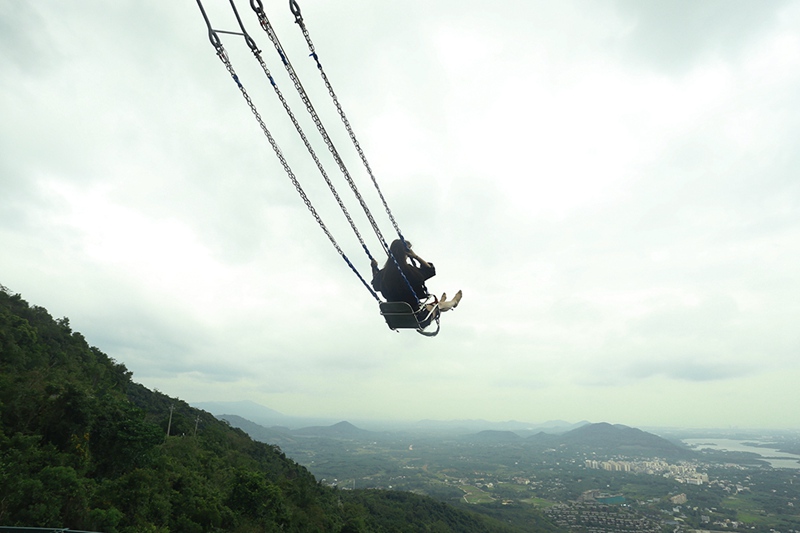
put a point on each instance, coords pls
(389, 281)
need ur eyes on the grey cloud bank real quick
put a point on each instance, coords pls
(613, 185)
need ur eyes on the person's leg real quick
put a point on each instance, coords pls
(446, 305)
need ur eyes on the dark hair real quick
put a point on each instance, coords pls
(398, 250)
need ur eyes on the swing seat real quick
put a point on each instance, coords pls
(400, 315)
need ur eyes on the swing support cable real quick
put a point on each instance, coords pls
(258, 8)
(223, 56)
(298, 18)
(257, 54)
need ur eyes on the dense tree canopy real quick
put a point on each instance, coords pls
(84, 447)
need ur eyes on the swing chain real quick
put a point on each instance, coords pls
(342, 115)
(229, 67)
(295, 8)
(222, 54)
(267, 27)
(312, 152)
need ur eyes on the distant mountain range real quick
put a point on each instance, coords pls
(261, 415)
(339, 430)
(282, 435)
(266, 417)
(267, 425)
(492, 435)
(617, 439)
(601, 438)
(155, 463)
(521, 428)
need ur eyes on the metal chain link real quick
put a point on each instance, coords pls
(311, 151)
(229, 67)
(343, 116)
(295, 9)
(267, 27)
(222, 54)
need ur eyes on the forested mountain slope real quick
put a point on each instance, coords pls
(84, 447)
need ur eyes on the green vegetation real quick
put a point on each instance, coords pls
(475, 495)
(525, 480)
(84, 447)
(538, 502)
(746, 510)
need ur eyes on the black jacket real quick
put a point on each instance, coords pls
(394, 288)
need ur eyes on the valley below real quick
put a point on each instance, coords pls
(595, 477)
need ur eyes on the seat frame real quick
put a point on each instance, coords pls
(400, 315)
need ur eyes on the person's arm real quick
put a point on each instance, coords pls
(413, 255)
(426, 269)
(376, 276)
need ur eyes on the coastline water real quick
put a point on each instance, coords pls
(774, 457)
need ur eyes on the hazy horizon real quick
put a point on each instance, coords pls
(532, 424)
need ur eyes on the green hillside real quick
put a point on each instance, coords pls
(84, 447)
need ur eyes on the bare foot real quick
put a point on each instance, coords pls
(456, 299)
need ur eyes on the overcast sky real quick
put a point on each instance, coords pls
(615, 186)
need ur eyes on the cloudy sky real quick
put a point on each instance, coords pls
(615, 186)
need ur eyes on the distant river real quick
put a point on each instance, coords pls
(775, 458)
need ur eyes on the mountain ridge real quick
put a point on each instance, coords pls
(84, 447)
(268, 417)
(622, 439)
(601, 437)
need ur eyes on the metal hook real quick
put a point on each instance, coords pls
(212, 35)
(294, 7)
(249, 40)
(257, 8)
